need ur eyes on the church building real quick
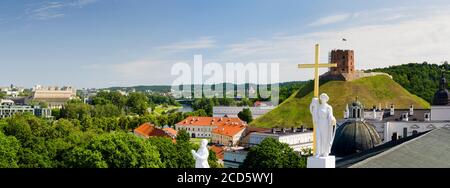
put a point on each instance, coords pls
(363, 129)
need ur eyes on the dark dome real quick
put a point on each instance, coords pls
(356, 103)
(441, 97)
(353, 137)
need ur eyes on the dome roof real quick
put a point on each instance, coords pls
(354, 136)
(442, 96)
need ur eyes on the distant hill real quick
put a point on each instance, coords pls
(421, 79)
(157, 89)
(370, 90)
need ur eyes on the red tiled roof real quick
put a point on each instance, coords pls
(209, 121)
(229, 130)
(148, 129)
(218, 150)
(171, 131)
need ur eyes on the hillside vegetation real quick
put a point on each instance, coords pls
(421, 79)
(371, 91)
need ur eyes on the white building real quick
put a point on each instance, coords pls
(234, 157)
(392, 124)
(233, 111)
(297, 138)
(8, 109)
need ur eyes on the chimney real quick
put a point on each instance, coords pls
(346, 112)
(427, 116)
(392, 110)
(411, 110)
(374, 113)
(405, 117)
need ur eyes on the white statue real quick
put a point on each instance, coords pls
(324, 125)
(201, 156)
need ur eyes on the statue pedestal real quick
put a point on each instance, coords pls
(321, 162)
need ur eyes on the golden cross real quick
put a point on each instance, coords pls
(316, 67)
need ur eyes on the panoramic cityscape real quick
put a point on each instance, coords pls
(224, 84)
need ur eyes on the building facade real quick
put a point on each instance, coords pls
(8, 109)
(55, 97)
(393, 124)
(228, 134)
(202, 127)
(234, 157)
(297, 138)
(233, 111)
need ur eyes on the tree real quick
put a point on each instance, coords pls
(183, 136)
(107, 110)
(184, 157)
(212, 160)
(2, 95)
(270, 153)
(200, 113)
(56, 113)
(75, 110)
(9, 147)
(116, 150)
(80, 157)
(245, 115)
(167, 151)
(137, 103)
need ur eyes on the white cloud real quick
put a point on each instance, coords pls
(380, 38)
(413, 37)
(201, 43)
(54, 9)
(331, 19)
(83, 2)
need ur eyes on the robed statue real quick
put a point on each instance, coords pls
(201, 156)
(324, 125)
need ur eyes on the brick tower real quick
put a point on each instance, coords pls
(345, 61)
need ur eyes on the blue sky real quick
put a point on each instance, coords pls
(102, 43)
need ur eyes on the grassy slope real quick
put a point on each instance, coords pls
(371, 91)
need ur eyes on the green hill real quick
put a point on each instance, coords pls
(370, 91)
(421, 79)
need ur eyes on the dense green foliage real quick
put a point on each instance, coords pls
(270, 153)
(30, 142)
(419, 79)
(9, 147)
(245, 115)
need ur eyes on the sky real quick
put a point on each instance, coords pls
(104, 43)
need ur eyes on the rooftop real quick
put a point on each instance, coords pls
(427, 150)
(229, 129)
(210, 121)
(148, 129)
(218, 150)
(170, 131)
